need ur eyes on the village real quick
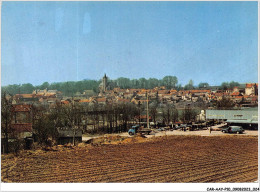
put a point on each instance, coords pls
(117, 110)
(245, 95)
(49, 138)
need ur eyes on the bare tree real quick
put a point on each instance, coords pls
(188, 114)
(109, 117)
(6, 116)
(153, 112)
(45, 129)
(224, 103)
(174, 115)
(128, 112)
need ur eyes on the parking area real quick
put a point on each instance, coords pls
(216, 131)
(200, 133)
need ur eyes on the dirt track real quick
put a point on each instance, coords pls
(173, 159)
(179, 132)
(203, 133)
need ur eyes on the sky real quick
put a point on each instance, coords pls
(70, 41)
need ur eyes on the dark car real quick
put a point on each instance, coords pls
(160, 129)
(233, 129)
(182, 127)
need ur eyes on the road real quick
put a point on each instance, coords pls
(179, 132)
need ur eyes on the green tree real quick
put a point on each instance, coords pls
(11, 89)
(170, 81)
(152, 83)
(55, 86)
(203, 85)
(233, 84)
(189, 86)
(123, 82)
(45, 85)
(27, 88)
(224, 86)
(179, 87)
(142, 83)
(134, 83)
(79, 86)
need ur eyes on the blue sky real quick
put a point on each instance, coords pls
(68, 41)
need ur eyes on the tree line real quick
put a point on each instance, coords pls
(70, 88)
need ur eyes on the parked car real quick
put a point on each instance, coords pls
(181, 126)
(233, 129)
(177, 127)
(160, 129)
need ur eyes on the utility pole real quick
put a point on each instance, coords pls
(147, 117)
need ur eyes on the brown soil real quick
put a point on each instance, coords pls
(116, 139)
(175, 159)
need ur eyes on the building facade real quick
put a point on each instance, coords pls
(248, 118)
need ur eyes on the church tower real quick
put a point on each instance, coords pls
(103, 86)
(104, 81)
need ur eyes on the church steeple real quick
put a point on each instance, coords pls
(104, 82)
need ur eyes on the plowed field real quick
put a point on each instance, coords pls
(165, 159)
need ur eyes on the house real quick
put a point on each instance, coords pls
(194, 99)
(89, 93)
(26, 98)
(201, 116)
(235, 94)
(237, 98)
(101, 100)
(161, 87)
(21, 126)
(138, 101)
(142, 93)
(84, 101)
(133, 90)
(128, 95)
(21, 113)
(236, 89)
(167, 96)
(251, 89)
(40, 92)
(65, 102)
(48, 93)
(252, 99)
(118, 90)
(205, 91)
(121, 100)
(66, 135)
(162, 92)
(173, 91)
